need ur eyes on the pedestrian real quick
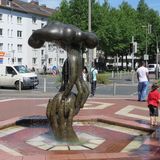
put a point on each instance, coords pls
(44, 69)
(153, 102)
(85, 74)
(143, 79)
(93, 79)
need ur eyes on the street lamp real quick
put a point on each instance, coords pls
(157, 57)
(90, 56)
(148, 31)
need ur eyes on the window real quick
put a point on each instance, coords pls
(42, 24)
(19, 20)
(50, 60)
(19, 48)
(0, 17)
(1, 31)
(11, 32)
(34, 61)
(1, 46)
(8, 47)
(8, 32)
(10, 70)
(11, 18)
(50, 46)
(34, 19)
(42, 54)
(9, 3)
(61, 60)
(19, 33)
(11, 47)
(19, 60)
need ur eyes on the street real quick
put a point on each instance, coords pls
(48, 86)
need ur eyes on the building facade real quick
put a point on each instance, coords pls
(18, 20)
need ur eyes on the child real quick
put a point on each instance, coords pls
(153, 101)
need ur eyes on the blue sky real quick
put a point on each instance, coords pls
(155, 4)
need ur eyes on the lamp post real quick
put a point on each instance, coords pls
(157, 55)
(90, 56)
(148, 31)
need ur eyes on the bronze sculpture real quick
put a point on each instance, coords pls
(66, 104)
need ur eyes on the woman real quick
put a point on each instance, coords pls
(85, 74)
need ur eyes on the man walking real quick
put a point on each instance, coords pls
(93, 73)
(143, 79)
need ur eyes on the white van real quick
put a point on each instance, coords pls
(10, 75)
(152, 68)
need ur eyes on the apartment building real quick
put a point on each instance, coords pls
(18, 19)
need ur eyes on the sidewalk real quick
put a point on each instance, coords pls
(111, 128)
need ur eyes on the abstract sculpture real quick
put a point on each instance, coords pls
(66, 104)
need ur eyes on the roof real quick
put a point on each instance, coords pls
(32, 7)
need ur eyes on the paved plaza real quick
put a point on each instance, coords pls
(108, 128)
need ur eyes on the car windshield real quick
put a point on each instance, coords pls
(21, 69)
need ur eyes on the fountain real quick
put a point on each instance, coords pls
(66, 104)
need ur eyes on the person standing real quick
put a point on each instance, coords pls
(44, 69)
(153, 102)
(93, 77)
(85, 74)
(143, 79)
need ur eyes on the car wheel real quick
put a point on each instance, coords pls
(17, 85)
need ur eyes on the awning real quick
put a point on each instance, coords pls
(2, 53)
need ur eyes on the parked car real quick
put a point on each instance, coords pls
(152, 68)
(11, 75)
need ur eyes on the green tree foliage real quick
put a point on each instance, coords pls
(114, 26)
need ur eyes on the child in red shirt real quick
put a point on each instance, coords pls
(153, 101)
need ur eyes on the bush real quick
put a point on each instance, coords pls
(103, 78)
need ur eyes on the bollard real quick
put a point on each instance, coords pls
(20, 86)
(120, 75)
(114, 88)
(44, 85)
(133, 77)
(112, 74)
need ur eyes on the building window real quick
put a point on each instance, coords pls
(19, 33)
(34, 61)
(61, 60)
(42, 25)
(42, 53)
(0, 17)
(1, 46)
(19, 48)
(50, 47)
(8, 47)
(1, 31)
(11, 32)
(8, 32)
(34, 19)
(11, 47)
(19, 20)
(8, 3)
(19, 60)
(50, 60)
(11, 18)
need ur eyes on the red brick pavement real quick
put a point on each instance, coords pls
(12, 110)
